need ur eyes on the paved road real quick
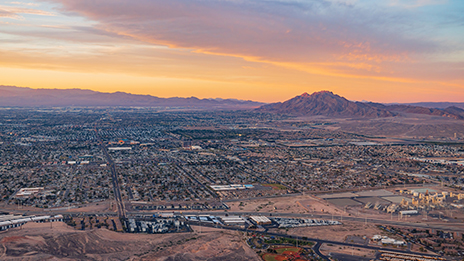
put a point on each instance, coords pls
(318, 241)
(459, 228)
(317, 250)
(117, 191)
(447, 227)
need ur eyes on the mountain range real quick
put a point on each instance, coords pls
(27, 97)
(326, 103)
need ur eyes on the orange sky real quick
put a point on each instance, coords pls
(383, 51)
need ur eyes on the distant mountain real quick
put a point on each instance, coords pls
(437, 105)
(423, 110)
(451, 112)
(27, 97)
(455, 111)
(327, 104)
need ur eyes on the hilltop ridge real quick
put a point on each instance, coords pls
(326, 103)
(28, 97)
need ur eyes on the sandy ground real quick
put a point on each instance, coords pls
(334, 233)
(41, 242)
(326, 249)
(99, 207)
(297, 204)
(212, 244)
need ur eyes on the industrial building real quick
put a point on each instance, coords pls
(231, 187)
(260, 220)
(119, 148)
(12, 221)
(409, 212)
(27, 192)
(233, 221)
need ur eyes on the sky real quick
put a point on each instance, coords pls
(263, 50)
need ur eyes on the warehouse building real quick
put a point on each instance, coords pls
(261, 220)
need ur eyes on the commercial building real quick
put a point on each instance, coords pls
(233, 221)
(409, 212)
(11, 221)
(27, 192)
(260, 220)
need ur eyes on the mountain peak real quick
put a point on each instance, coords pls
(317, 93)
(324, 92)
(325, 103)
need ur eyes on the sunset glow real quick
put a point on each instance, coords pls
(384, 51)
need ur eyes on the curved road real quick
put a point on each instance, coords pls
(318, 241)
(317, 250)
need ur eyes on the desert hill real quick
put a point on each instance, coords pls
(39, 241)
(326, 103)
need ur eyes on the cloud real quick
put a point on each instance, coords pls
(4, 13)
(281, 31)
(21, 3)
(416, 3)
(347, 38)
(14, 12)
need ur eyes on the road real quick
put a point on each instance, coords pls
(329, 217)
(457, 227)
(317, 250)
(115, 181)
(318, 241)
(447, 227)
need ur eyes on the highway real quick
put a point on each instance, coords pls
(423, 225)
(329, 217)
(318, 241)
(115, 181)
(457, 227)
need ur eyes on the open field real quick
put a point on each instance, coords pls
(327, 249)
(290, 250)
(374, 193)
(274, 257)
(342, 202)
(296, 204)
(335, 233)
(374, 200)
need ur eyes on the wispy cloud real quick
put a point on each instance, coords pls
(15, 12)
(22, 3)
(279, 31)
(416, 3)
(4, 13)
